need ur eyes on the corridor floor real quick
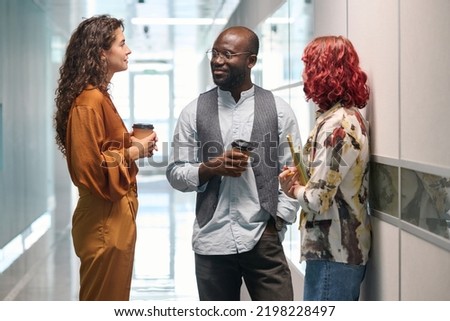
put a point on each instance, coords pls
(164, 260)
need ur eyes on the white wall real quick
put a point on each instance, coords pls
(404, 47)
(373, 29)
(424, 81)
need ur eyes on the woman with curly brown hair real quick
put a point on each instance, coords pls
(100, 156)
(334, 223)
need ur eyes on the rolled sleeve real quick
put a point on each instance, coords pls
(183, 167)
(287, 125)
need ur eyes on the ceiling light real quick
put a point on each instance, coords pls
(279, 20)
(178, 21)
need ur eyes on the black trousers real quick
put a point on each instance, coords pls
(264, 269)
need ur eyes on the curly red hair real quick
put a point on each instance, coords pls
(332, 74)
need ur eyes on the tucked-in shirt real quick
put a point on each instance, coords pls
(96, 138)
(334, 222)
(239, 220)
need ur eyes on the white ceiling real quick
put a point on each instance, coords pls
(146, 39)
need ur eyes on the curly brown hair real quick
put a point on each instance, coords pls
(83, 66)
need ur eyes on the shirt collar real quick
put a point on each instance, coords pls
(223, 94)
(322, 114)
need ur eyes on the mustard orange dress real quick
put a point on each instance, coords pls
(104, 220)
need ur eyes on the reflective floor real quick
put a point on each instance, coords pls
(164, 260)
(164, 266)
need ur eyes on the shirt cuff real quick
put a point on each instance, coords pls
(301, 197)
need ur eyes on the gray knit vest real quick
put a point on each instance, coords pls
(265, 156)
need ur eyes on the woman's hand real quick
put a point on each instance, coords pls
(289, 181)
(143, 147)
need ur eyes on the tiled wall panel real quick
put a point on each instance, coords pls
(377, 46)
(424, 81)
(404, 48)
(331, 17)
(382, 277)
(424, 270)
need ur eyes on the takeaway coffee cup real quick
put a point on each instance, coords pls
(141, 130)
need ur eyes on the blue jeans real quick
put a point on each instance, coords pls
(332, 281)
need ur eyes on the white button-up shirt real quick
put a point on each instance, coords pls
(239, 220)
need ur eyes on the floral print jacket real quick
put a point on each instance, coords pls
(335, 224)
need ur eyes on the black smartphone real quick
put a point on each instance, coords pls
(243, 145)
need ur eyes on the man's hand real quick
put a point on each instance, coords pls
(230, 163)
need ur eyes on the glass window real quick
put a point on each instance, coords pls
(384, 188)
(1, 137)
(283, 36)
(425, 201)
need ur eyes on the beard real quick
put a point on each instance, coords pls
(233, 79)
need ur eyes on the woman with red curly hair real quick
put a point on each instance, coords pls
(334, 223)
